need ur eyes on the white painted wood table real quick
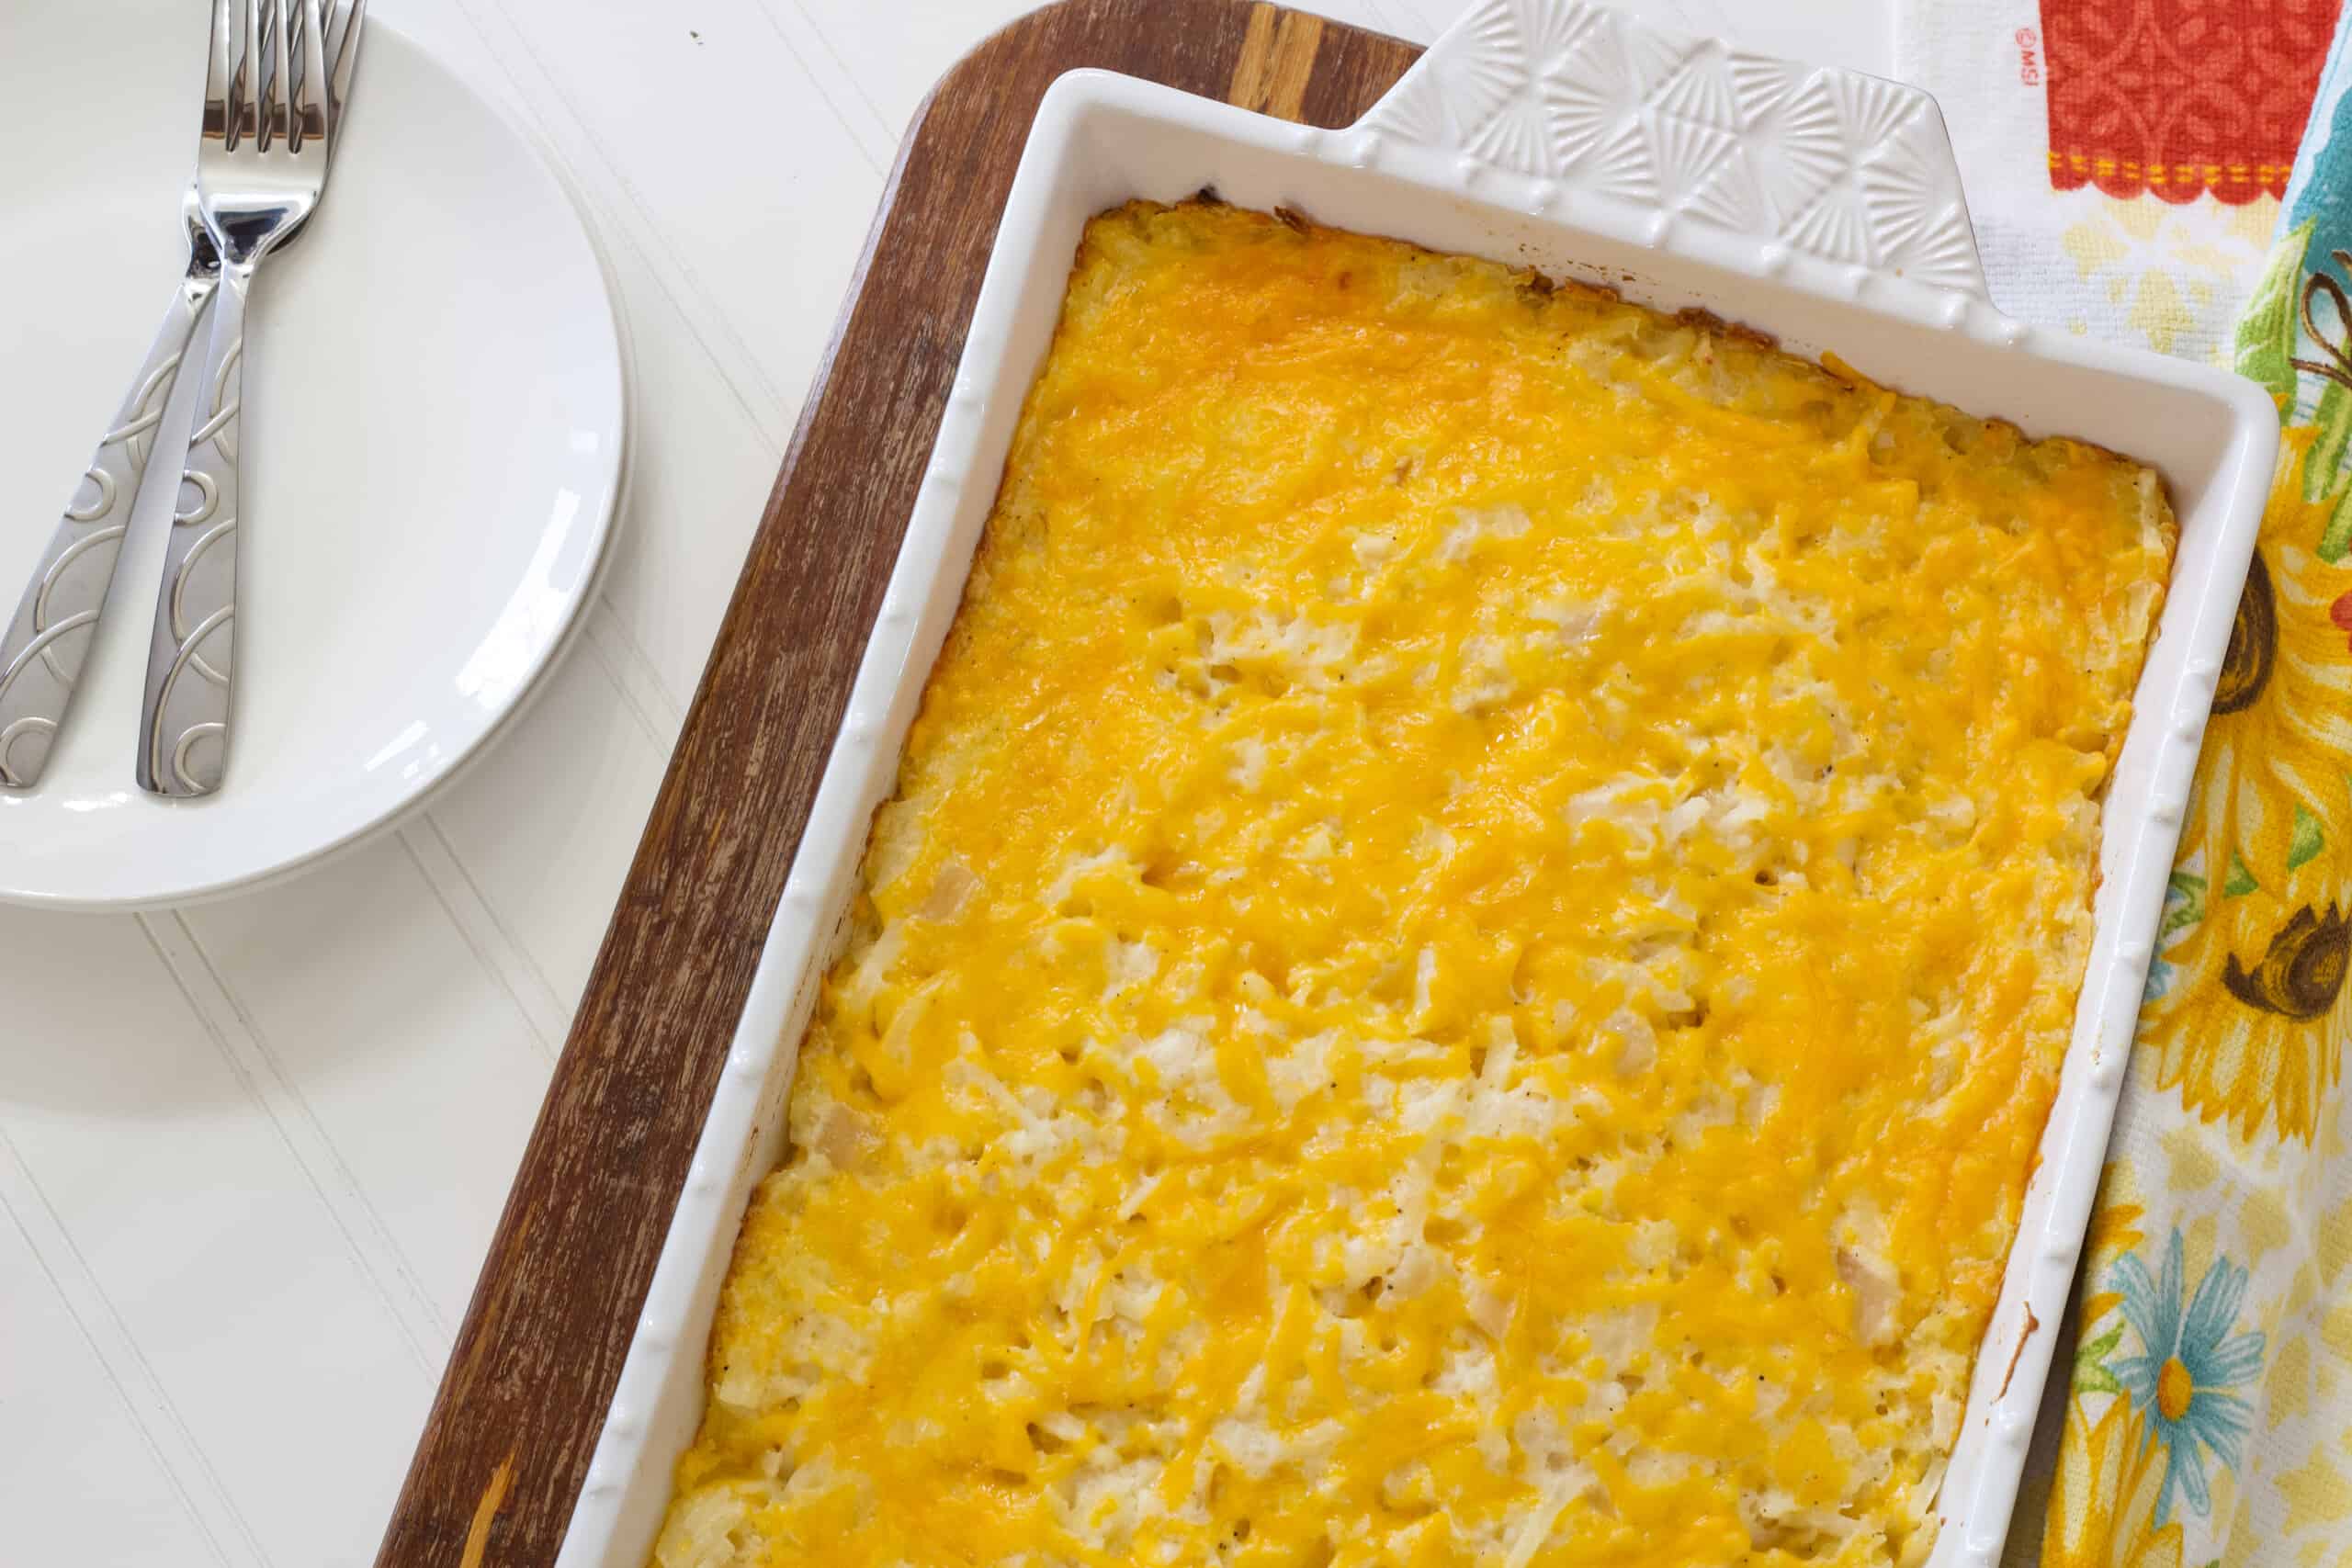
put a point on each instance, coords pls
(251, 1153)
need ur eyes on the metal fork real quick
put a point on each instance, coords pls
(43, 645)
(259, 176)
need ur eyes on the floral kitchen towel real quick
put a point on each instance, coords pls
(2208, 1414)
(2124, 159)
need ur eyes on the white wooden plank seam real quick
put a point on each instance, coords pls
(502, 955)
(660, 712)
(211, 1510)
(426, 1332)
(873, 135)
(769, 408)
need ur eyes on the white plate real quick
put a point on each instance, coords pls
(434, 433)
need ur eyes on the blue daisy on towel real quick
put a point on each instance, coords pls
(2191, 1362)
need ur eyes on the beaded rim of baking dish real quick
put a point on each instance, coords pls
(1837, 183)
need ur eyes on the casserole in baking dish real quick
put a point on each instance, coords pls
(1477, 931)
(1883, 285)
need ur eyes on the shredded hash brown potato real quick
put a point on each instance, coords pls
(1474, 937)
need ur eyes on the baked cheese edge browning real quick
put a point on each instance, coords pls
(1474, 939)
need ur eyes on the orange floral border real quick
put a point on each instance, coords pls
(2233, 183)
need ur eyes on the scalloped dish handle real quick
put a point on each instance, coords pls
(1848, 168)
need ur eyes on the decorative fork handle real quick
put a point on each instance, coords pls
(184, 717)
(56, 622)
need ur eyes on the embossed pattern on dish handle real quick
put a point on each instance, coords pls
(184, 716)
(1844, 168)
(45, 642)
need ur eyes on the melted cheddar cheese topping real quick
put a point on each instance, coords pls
(1475, 935)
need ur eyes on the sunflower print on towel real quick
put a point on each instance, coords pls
(2248, 1008)
(2208, 1418)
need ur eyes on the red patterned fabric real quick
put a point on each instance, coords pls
(2179, 97)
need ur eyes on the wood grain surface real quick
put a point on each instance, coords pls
(506, 1445)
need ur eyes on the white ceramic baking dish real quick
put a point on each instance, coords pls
(1821, 207)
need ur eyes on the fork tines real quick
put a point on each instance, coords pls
(268, 76)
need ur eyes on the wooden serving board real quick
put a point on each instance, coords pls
(506, 1447)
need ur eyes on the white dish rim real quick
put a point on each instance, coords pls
(661, 1389)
